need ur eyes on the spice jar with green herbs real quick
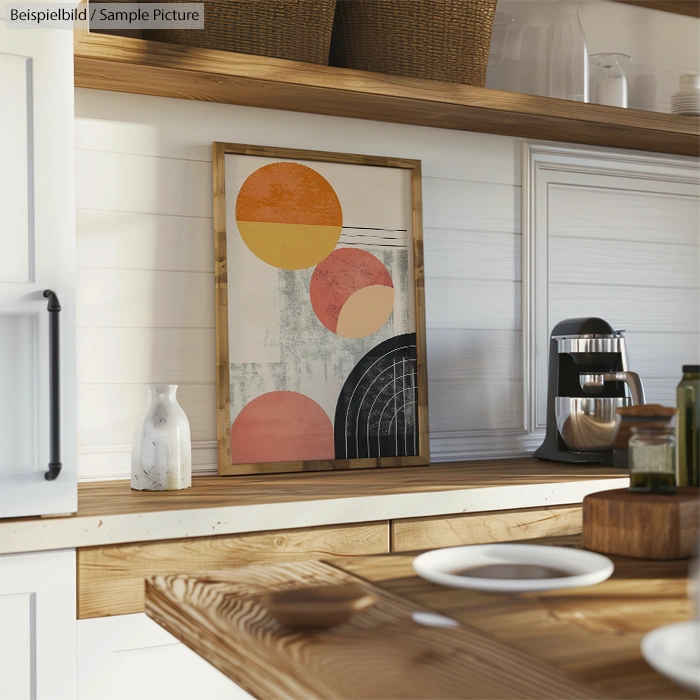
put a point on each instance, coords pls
(652, 457)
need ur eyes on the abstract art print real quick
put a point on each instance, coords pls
(320, 316)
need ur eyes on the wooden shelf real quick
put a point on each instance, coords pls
(691, 8)
(152, 68)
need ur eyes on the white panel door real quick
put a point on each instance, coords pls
(37, 253)
(130, 656)
(37, 626)
(614, 235)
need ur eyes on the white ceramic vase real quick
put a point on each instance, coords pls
(161, 450)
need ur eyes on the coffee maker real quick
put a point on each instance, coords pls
(589, 379)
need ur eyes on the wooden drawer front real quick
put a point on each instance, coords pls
(110, 578)
(478, 528)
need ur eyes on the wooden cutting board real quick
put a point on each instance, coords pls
(383, 652)
(642, 525)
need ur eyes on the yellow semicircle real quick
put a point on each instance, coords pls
(365, 312)
(289, 246)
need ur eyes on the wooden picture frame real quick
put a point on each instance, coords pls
(283, 161)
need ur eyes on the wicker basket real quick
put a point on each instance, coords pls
(298, 30)
(435, 39)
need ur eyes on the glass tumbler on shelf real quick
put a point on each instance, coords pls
(652, 455)
(525, 61)
(502, 24)
(566, 58)
(609, 80)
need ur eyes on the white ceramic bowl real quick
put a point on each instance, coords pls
(674, 651)
(487, 567)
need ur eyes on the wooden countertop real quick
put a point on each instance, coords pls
(110, 512)
(117, 498)
(575, 643)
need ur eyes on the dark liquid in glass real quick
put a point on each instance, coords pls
(513, 571)
(649, 482)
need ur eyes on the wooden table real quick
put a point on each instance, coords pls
(575, 643)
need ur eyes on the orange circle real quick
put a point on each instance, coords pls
(289, 215)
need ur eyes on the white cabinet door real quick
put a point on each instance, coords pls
(37, 253)
(130, 656)
(37, 626)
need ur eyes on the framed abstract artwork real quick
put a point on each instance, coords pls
(320, 312)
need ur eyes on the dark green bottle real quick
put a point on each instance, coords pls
(688, 426)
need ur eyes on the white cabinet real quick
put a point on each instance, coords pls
(130, 656)
(37, 626)
(37, 253)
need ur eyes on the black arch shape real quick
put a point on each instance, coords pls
(351, 431)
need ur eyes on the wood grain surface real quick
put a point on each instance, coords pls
(379, 653)
(116, 497)
(644, 525)
(111, 578)
(153, 68)
(592, 634)
(223, 384)
(410, 534)
(691, 8)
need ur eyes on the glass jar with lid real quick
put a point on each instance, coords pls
(652, 457)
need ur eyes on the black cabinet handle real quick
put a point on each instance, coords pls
(55, 387)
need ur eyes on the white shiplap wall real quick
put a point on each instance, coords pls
(145, 276)
(145, 257)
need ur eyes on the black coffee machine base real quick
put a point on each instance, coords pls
(593, 459)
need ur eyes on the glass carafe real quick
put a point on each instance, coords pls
(566, 60)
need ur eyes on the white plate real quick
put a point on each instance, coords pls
(546, 567)
(674, 651)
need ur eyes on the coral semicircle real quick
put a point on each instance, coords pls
(281, 426)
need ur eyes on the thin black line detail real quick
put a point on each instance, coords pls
(369, 235)
(373, 228)
(373, 245)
